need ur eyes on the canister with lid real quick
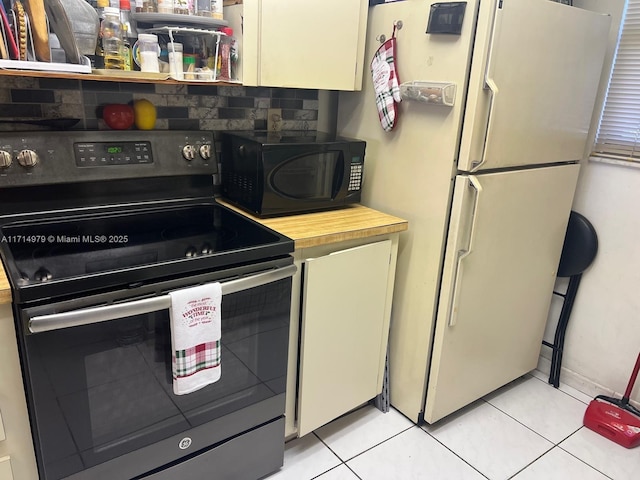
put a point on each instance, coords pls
(149, 50)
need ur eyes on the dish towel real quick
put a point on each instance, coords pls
(195, 337)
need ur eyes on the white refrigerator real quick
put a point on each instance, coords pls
(486, 185)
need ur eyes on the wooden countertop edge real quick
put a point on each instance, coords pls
(5, 288)
(381, 224)
(349, 235)
(318, 230)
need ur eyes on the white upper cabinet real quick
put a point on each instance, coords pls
(315, 44)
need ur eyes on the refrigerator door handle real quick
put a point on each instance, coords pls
(489, 84)
(462, 253)
(493, 92)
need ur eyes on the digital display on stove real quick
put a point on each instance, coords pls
(97, 154)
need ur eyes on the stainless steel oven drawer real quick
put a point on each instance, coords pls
(251, 455)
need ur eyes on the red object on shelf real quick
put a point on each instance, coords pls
(118, 116)
(616, 419)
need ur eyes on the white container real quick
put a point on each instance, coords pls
(149, 50)
(176, 69)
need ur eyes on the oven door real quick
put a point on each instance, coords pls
(99, 376)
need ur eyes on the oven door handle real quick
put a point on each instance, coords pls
(87, 316)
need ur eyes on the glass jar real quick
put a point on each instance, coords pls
(149, 6)
(149, 50)
(183, 7)
(112, 43)
(165, 6)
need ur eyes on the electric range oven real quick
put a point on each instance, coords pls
(96, 229)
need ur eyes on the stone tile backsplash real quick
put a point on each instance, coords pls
(206, 107)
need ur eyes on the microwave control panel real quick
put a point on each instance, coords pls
(355, 178)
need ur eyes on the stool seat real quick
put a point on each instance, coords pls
(578, 252)
(580, 246)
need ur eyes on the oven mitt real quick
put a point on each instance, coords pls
(385, 83)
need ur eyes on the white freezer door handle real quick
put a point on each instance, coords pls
(463, 252)
(489, 84)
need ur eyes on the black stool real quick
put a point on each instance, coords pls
(579, 250)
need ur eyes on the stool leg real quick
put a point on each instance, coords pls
(567, 306)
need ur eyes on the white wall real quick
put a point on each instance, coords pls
(603, 337)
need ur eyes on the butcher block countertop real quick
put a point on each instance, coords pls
(332, 226)
(307, 230)
(5, 289)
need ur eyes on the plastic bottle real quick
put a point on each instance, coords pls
(176, 67)
(149, 51)
(129, 34)
(97, 60)
(112, 43)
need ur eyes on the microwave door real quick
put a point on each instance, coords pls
(310, 177)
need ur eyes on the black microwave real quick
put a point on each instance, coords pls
(271, 174)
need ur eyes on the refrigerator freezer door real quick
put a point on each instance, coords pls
(503, 249)
(531, 97)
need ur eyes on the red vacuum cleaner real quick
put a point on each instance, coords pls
(616, 419)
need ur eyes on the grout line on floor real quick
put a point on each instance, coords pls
(445, 446)
(353, 471)
(374, 446)
(532, 462)
(546, 382)
(578, 458)
(528, 427)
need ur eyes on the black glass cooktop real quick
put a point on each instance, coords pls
(76, 253)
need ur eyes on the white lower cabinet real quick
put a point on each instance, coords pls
(17, 458)
(341, 306)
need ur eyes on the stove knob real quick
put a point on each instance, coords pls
(5, 159)
(42, 275)
(189, 152)
(206, 248)
(191, 252)
(28, 158)
(205, 151)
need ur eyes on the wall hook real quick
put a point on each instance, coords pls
(398, 24)
(381, 38)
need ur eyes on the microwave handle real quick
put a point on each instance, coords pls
(87, 316)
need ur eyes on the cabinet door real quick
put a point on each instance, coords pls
(311, 43)
(5, 468)
(341, 336)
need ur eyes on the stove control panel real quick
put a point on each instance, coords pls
(112, 153)
(38, 158)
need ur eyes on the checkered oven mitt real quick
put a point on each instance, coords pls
(386, 83)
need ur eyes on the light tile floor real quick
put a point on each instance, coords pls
(527, 430)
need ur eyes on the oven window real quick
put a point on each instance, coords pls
(309, 177)
(103, 390)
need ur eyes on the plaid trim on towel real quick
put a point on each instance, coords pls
(386, 84)
(192, 360)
